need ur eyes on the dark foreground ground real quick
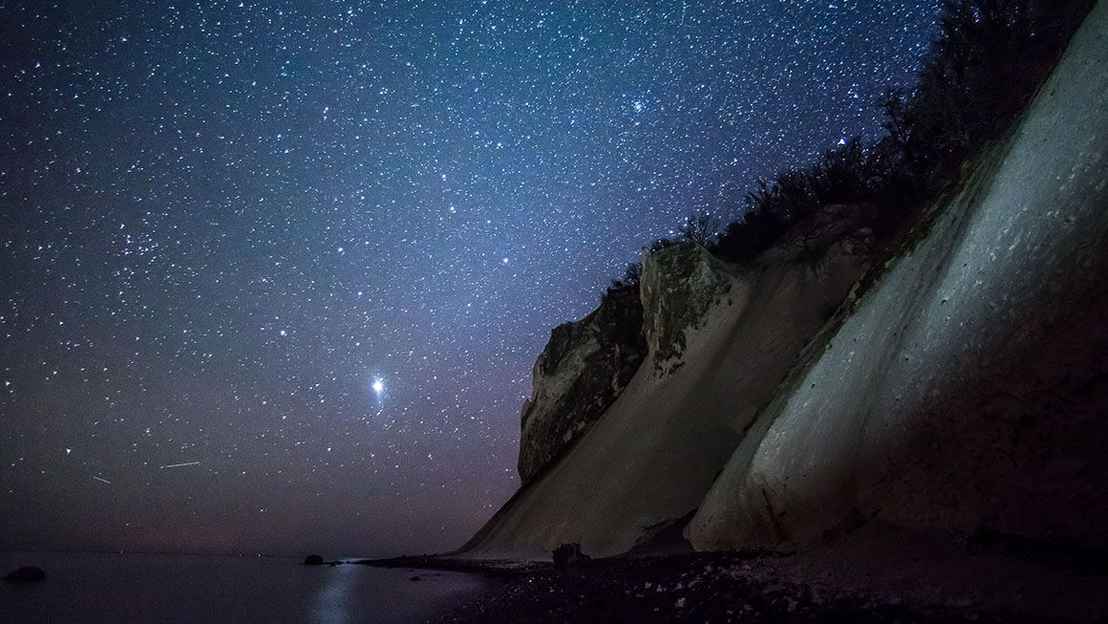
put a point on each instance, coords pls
(703, 588)
(879, 577)
(682, 589)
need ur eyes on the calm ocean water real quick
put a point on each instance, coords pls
(82, 588)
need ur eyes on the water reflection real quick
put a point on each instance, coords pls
(335, 600)
(94, 588)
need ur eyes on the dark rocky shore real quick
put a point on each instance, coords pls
(702, 588)
(877, 574)
(681, 589)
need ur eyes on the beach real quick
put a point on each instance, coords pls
(877, 574)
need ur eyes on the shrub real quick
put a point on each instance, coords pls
(985, 65)
(842, 175)
(632, 275)
(980, 72)
(700, 228)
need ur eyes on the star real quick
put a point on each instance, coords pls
(280, 222)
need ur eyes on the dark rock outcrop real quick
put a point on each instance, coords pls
(313, 560)
(587, 363)
(569, 555)
(679, 285)
(26, 574)
(583, 369)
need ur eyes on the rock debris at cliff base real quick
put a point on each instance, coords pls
(877, 575)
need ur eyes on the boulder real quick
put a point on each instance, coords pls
(313, 560)
(569, 555)
(26, 574)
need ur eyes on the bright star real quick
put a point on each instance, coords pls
(378, 386)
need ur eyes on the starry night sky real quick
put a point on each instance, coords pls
(273, 275)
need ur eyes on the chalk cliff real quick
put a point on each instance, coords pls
(966, 389)
(958, 386)
(583, 369)
(719, 340)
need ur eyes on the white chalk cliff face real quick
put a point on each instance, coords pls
(778, 404)
(965, 390)
(719, 341)
(583, 368)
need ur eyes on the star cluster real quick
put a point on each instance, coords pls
(274, 274)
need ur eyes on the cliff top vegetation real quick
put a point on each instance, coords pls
(985, 64)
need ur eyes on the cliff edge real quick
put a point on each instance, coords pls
(958, 388)
(962, 392)
(584, 367)
(719, 339)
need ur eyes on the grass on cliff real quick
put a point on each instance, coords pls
(985, 65)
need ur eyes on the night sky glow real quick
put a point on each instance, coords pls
(273, 275)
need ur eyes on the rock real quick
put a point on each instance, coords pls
(679, 285)
(584, 367)
(416, 578)
(26, 574)
(569, 555)
(313, 560)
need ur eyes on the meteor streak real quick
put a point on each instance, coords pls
(181, 465)
(101, 479)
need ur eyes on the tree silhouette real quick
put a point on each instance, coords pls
(986, 63)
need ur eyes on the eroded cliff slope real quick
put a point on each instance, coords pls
(964, 390)
(584, 367)
(718, 341)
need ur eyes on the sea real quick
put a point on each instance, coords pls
(86, 587)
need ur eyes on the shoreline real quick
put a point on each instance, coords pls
(876, 575)
(493, 568)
